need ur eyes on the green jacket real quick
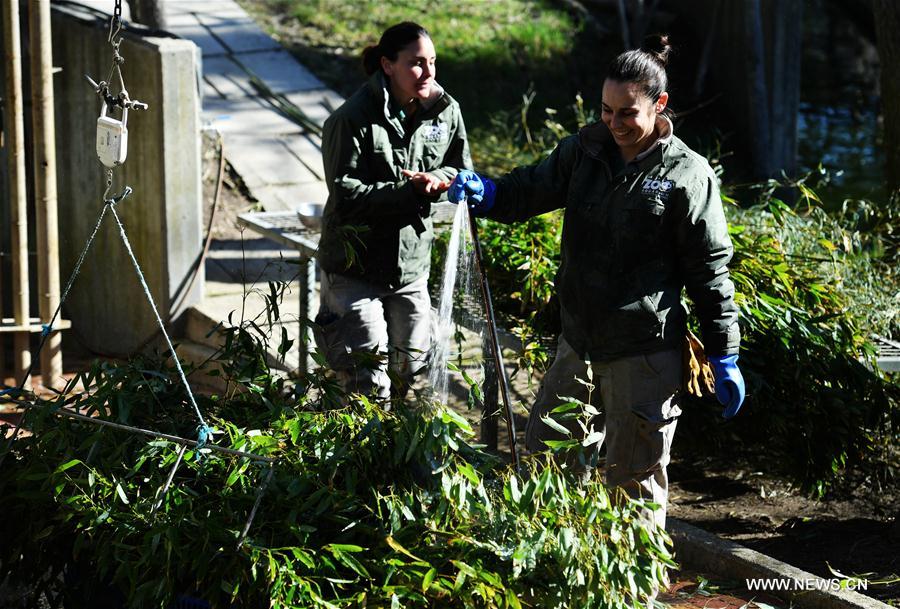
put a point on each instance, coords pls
(633, 236)
(375, 226)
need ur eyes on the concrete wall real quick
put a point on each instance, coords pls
(163, 218)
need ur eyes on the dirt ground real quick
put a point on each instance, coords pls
(855, 534)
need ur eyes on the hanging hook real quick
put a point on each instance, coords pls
(115, 28)
(115, 23)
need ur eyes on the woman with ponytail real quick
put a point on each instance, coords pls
(389, 152)
(643, 220)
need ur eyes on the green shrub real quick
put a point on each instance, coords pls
(811, 291)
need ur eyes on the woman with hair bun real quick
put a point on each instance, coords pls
(389, 152)
(643, 220)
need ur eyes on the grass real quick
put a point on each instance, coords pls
(490, 52)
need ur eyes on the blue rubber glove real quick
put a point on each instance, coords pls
(477, 188)
(729, 383)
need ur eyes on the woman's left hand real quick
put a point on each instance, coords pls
(425, 183)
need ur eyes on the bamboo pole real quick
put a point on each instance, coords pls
(45, 197)
(15, 130)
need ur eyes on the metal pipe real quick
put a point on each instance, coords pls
(45, 196)
(63, 412)
(15, 130)
(494, 340)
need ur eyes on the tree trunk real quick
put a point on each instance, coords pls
(887, 24)
(783, 21)
(758, 124)
(756, 70)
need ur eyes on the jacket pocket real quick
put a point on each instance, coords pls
(334, 334)
(654, 427)
(634, 322)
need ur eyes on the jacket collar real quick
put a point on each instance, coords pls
(379, 86)
(666, 131)
(597, 142)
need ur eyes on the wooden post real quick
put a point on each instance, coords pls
(45, 182)
(15, 130)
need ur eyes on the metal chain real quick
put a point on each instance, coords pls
(115, 24)
(123, 100)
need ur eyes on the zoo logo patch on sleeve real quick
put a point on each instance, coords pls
(436, 133)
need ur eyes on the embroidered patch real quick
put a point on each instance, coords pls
(657, 187)
(436, 133)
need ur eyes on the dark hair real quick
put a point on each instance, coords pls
(393, 40)
(645, 66)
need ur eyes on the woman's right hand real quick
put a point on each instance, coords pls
(476, 188)
(425, 183)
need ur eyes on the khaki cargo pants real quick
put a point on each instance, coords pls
(364, 328)
(637, 397)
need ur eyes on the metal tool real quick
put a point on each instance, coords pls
(494, 341)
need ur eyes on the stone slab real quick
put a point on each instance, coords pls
(699, 549)
(225, 8)
(227, 77)
(317, 104)
(247, 116)
(308, 152)
(238, 34)
(199, 35)
(280, 71)
(263, 161)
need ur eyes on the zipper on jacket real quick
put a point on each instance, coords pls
(609, 180)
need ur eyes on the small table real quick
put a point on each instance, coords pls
(888, 356)
(286, 228)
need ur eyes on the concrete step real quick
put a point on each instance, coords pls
(204, 330)
(196, 354)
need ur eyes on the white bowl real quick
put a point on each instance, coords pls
(310, 215)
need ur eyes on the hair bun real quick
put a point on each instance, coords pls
(371, 58)
(658, 46)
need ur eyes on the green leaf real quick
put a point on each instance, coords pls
(429, 577)
(44, 533)
(67, 465)
(568, 406)
(512, 600)
(448, 416)
(558, 445)
(344, 547)
(556, 426)
(469, 472)
(121, 493)
(397, 547)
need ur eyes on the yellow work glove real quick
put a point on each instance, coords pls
(698, 375)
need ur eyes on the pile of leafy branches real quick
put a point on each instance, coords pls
(361, 506)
